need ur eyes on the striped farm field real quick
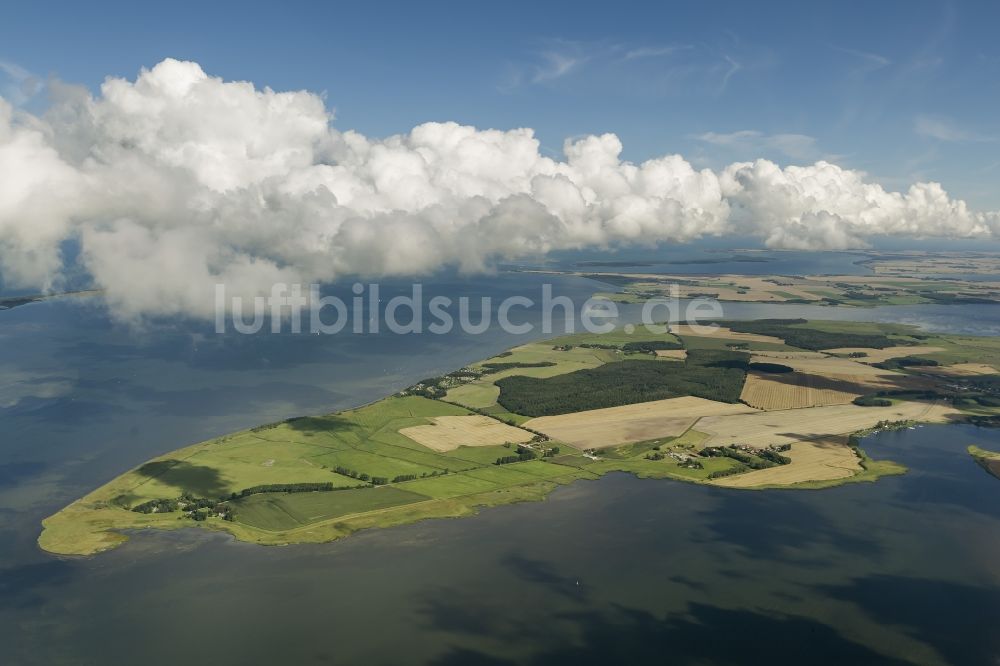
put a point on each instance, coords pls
(613, 426)
(686, 330)
(834, 375)
(826, 366)
(795, 390)
(817, 460)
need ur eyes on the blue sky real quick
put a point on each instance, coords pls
(902, 90)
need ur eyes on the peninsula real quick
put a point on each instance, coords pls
(753, 404)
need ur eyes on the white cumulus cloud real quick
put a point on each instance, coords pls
(178, 180)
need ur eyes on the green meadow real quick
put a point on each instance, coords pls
(364, 441)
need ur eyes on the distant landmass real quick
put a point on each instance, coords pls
(11, 302)
(744, 259)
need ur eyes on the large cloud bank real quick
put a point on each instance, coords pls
(178, 180)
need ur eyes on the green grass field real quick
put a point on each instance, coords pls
(483, 393)
(281, 511)
(475, 395)
(299, 451)
(617, 337)
(365, 440)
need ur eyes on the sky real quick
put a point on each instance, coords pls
(905, 91)
(174, 146)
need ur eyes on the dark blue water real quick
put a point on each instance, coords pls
(613, 571)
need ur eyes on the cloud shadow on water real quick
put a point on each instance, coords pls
(769, 525)
(956, 619)
(706, 635)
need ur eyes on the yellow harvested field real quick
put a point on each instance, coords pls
(710, 331)
(962, 370)
(879, 355)
(870, 383)
(795, 390)
(796, 425)
(828, 365)
(789, 354)
(677, 354)
(613, 426)
(841, 374)
(447, 433)
(817, 460)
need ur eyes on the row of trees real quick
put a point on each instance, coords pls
(382, 480)
(157, 506)
(872, 401)
(739, 468)
(771, 368)
(650, 345)
(759, 459)
(319, 486)
(774, 457)
(354, 474)
(906, 362)
(498, 367)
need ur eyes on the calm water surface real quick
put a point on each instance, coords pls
(611, 571)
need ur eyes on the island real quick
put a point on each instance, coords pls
(988, 460)
(773, 403)
(918, 263)
(842, 290)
